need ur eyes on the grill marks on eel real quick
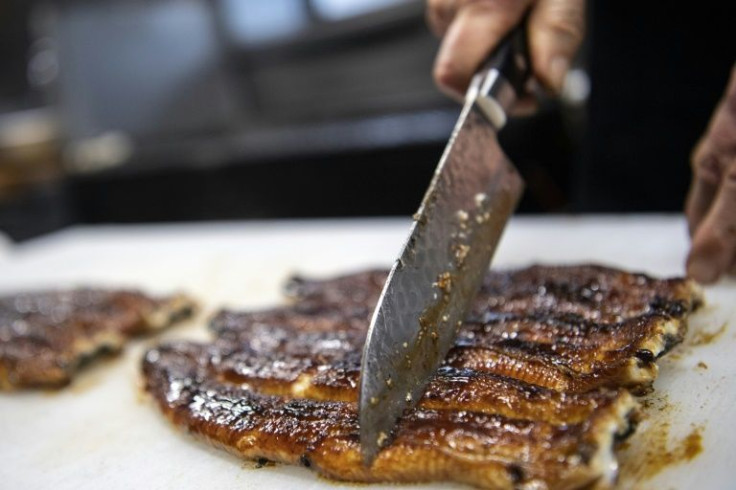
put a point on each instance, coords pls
(566, 350)
(530, 395)
(555, 440)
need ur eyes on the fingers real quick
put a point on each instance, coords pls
(711, 202)
(472, 28)
(713, 249)
(556, 29)
(475, 30)
(704, 186)
(440, 14)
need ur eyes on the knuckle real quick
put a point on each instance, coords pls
(446, 74)
(439, 14)
(568, 26)
(504, 12)
(698, 154)
(491, 5)
(564, 20)
(707, 167)
(723, 237)
(721, 234)
(711, 240)
(731, 175)
(436, 8)
(721, 134)
(433, 23)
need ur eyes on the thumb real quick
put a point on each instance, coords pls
(556, 29)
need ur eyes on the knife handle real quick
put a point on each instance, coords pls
(511, 59)
(502, 78)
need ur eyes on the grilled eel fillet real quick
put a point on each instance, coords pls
(45, 336)
(530, 396)
(570, 329)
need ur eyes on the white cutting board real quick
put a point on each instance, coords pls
(102, 433)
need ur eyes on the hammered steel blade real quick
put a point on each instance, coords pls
(473, 192)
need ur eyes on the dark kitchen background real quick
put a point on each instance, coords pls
(181, 110)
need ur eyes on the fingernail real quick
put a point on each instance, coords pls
(558, 69)
(702, 271)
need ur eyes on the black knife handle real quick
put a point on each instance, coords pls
(503, 78)
(511, 59)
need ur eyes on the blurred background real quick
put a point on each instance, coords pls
(117, 111)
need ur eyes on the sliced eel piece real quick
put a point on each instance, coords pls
(450, 388)
(590, 341)
(591, 292)
(586, 291)
(336, 371)
(437, 442)
(45, 336)
(556, 353)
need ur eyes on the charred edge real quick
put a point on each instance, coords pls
(669, 342)
(181, 314)
(645, 356)
(305, 461)
(698, 301)
(587, 451)
(632, 419)
(294, 288)
(102, 351)
(262, 462)
(627, 432)
(669, 307)
(516, 474)
(640, 389)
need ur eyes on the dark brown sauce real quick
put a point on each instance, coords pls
(706, 338)
(652, 449)
(660, 452)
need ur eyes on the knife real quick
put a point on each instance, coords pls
(473, 192)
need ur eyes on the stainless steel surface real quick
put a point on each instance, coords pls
(473, 193)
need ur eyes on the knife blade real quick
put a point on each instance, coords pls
(473, 192)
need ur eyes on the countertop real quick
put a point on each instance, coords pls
(101, 432)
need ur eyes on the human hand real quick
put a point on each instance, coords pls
(471, 29)
(711, 202)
